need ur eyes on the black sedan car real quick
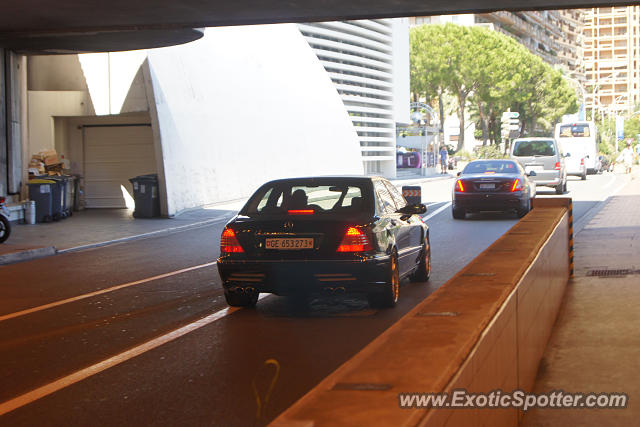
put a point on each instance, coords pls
(324, 235)
(492, 185)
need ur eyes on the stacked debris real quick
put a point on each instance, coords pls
(46, 162)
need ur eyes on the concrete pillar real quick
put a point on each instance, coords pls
(12, 86)
(15, 85)
(3, 127)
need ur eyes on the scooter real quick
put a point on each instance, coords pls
(5, 225)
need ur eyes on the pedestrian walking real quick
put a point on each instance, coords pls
(443, 159)
(627, 157)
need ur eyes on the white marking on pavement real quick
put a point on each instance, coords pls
(437, 211)
(101, 291)
(89, 371)
(611, 181)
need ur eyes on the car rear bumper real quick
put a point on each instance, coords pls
(288, 277)
(548, 182)
(490, 201)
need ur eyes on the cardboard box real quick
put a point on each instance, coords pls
(51, 159)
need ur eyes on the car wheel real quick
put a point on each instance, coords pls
(5, 228)
(424, 267)
(564, 187)
(240, 298)
(584, 175)
(458, 213)
(389, 296)
(522, 212)
(560, 188)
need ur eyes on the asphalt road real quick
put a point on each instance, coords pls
(162, 348)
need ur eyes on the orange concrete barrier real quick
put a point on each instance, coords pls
(485, 329)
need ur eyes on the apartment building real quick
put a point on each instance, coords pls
(611, 57)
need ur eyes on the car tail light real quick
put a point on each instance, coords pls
(459, 186)
(2, 199)
(582, 162)
(558, 166)
(300, 211)
(229, 242)
(517, 186)
(354, 240)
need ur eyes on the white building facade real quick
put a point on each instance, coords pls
(216, 118)
(368, 62)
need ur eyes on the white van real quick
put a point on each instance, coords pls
(579, 142)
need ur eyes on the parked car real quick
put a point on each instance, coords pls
(605, 163)
(576, 166)
(545, 158)
(492, 185)
(324, 235)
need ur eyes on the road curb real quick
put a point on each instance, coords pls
(27, 255)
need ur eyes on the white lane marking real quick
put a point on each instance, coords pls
(437, 211)
(89, 371)
(101, 291)
(610, 183)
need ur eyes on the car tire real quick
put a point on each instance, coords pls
(458, 213)
(388, 297)
(424, 267)
(560, 188)
(584, 175)
(5, 228)
(522, 212)
(241, 299)
(564, 188)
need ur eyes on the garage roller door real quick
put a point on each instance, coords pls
(112, 155)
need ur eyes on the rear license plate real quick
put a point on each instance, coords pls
(487, 186)
(535, 168)
(288, 243)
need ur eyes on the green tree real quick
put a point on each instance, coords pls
(488, 72)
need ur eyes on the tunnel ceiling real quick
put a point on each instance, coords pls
(86, 25)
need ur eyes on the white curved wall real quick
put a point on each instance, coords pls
(241, 106)
(360, 57)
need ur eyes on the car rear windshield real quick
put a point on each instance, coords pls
(303, 199)
(534, 148)
(495, 166)
(575, 131)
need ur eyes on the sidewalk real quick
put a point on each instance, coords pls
(595, 345)
(99, 227)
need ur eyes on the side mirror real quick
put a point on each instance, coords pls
(568, 155)
(417, 209)
(459, 173)
(532, 173)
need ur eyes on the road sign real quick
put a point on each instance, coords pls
(510, 115)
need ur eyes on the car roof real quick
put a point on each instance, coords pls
(536, 138)
(347, 179)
